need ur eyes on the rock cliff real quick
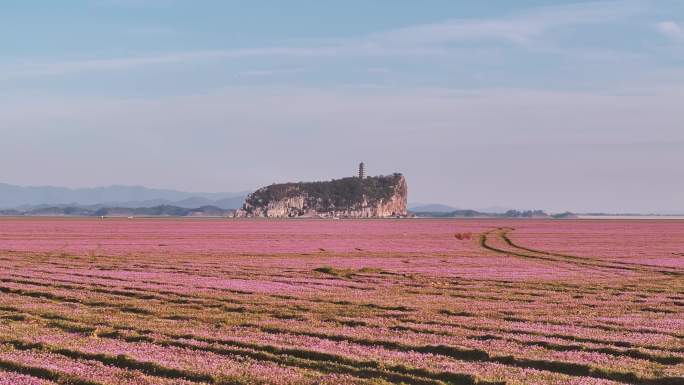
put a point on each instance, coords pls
(372, 197)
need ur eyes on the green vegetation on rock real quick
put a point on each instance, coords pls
(339, 193)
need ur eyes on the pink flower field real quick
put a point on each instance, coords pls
(204, 301)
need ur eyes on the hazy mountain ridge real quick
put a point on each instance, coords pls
(441, 208)
(480, 214)
(156, 211)
(33, 197)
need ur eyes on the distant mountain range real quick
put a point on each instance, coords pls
(37, 197)
(440, 208)
(156, 211)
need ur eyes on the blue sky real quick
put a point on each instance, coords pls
(529, 104)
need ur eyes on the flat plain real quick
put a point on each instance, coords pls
(167, 301)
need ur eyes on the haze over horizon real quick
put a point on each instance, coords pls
(570, 106)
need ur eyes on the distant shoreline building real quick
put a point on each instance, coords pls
(362, 170)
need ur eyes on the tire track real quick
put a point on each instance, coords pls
(502, 234)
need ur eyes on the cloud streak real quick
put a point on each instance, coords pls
(413, 41)
(671, 30)
(520, 28)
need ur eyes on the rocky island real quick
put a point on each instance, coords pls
(354, 197)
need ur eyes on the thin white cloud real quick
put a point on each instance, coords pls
(671, 29)
(75, 66)
(270, 72)
(519, 28)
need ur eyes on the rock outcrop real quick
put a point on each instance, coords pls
(372, 197)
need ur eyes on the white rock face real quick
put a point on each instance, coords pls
(291, 200)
